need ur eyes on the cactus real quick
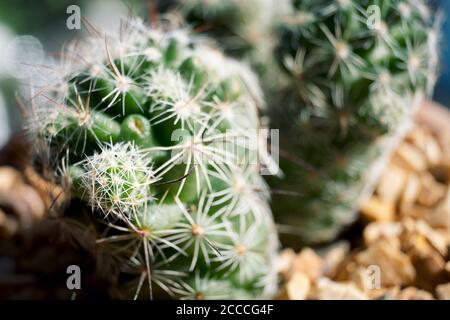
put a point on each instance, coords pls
(243, 28)
(357, 70)
(153, 130)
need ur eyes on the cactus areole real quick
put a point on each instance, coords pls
(155, 132)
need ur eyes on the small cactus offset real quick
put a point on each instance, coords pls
(155, 132)
(357, 70)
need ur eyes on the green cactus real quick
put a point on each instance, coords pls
(155, 131)
(356, 70)
(243, 28)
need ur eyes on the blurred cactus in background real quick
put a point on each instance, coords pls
(357, 71)
(244, 29)
(157, 132)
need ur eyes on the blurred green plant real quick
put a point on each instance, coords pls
(357, 71)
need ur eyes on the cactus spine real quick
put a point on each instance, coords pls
(356, 70)
(155, 131)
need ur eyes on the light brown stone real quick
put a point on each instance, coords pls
(285, 262)
(396, 267)
(333, 257)
(9, 179)
(443, 291)
(298, 286)
(376, 209)
(409, 157)
(391, 184)
(379, 230)
(431, 192)
(412, 293)
(433, 152)
(327, 289)
(309, 263)
(440, 216)
(417, 136)
(411, 190)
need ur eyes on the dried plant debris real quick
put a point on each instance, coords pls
(404, 253)
(26, 198)
(25, 271)
(21, 204)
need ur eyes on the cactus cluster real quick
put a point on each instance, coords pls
(357, 70)
(155, 131)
